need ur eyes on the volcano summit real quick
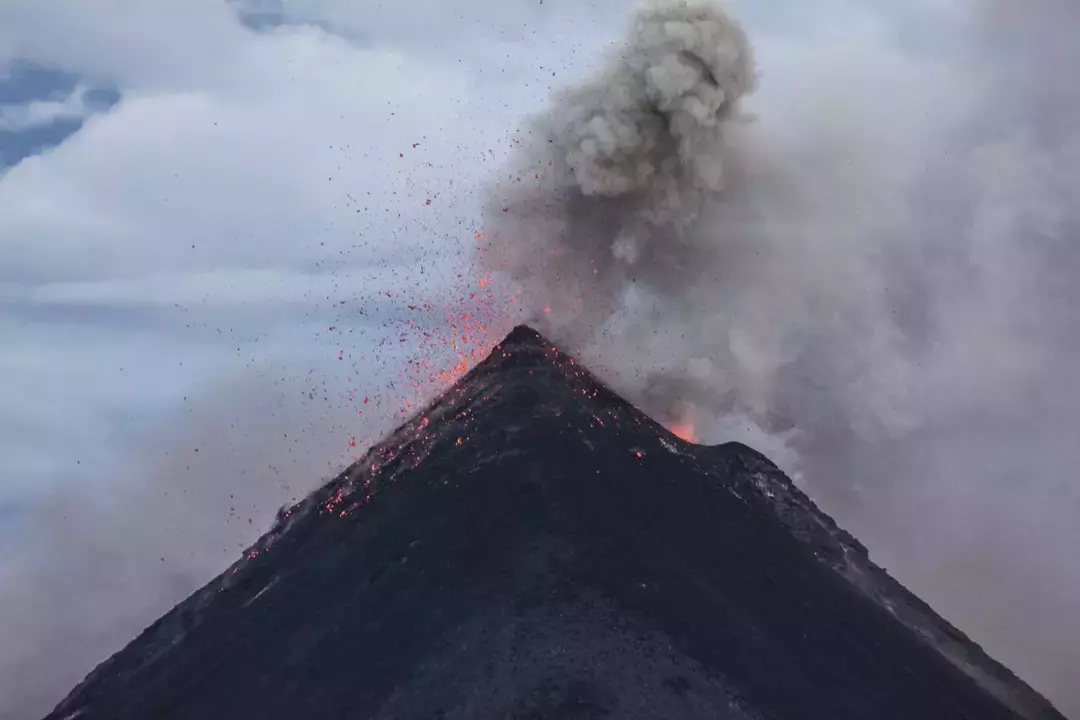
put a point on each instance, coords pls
(532, 546)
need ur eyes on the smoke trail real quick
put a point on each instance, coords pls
(871, 280)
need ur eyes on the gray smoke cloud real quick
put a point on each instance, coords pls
(610, 180)
(645, 201)
(868, 273)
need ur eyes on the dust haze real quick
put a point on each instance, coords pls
(868, 274)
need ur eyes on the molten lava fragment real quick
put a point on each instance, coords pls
(685, 431)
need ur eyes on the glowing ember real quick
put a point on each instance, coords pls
(684, 430)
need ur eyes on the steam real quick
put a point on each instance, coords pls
(867, 273)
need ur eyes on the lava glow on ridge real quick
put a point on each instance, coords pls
(684, 430)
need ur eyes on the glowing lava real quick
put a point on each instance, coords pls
(684, 430)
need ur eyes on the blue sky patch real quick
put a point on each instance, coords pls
(23, 84)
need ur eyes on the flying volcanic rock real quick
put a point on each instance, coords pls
(532, 546)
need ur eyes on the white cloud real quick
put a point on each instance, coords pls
(198, 180)
(165, 44)
(38, 113)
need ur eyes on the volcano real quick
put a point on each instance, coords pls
(532, 546)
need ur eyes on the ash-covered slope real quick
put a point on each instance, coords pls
(535, 547)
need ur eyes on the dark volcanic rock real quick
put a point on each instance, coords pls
(534, 547)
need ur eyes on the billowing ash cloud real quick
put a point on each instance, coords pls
(610, 179)
(646, 215)
(868, 273)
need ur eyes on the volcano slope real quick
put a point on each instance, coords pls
(532, 546)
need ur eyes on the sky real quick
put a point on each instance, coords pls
(220, 222)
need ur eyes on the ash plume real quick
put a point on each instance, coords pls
(610, 179)
(865, 268)
(645, 199)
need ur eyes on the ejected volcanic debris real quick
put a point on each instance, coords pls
(532, 546)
